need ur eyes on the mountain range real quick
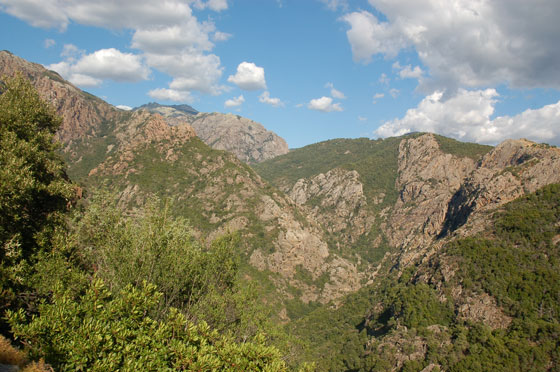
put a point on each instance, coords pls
(387, 254)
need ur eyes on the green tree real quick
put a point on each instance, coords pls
(34, 188)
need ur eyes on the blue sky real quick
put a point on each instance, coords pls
(312, 70)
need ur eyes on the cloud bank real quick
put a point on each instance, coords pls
(167, 35)
(465, 43)
(467, 117)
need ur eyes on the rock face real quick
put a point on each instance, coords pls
(83, 114)
(248, 140)
(336, 200)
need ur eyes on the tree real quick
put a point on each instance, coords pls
(34, 188)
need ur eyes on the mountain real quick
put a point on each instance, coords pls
(462, 231)
(412, 253)
(247, 139)
(139, 154)
(162, 109)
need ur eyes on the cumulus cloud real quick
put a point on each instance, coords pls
(124, 107)
(265, 98)
(191, 71)
(465, 43)
(164, 94)
(368, 37)
(234, 102)
(407, 72)
(248, 77)
(324, 104)
(394, 92)
(335, 93)
(91, 69)
(467, 117)
(168, 35)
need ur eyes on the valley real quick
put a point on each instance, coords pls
(410, 253)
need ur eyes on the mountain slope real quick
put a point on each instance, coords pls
(247, 139)
(485, 302)
(139, 154)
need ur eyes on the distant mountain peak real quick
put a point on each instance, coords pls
(156, 107)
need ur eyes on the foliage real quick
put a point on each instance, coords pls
(406, 324)
(34, 189)
(462, 149)
(99, 331)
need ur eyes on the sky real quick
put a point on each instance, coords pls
(311, 70)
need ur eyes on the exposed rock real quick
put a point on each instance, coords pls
(512, 169)
(248, 140)
(83, 114)
(336, 200)
(483, 308)
(427, 180)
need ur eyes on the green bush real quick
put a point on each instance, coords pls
(99, 331)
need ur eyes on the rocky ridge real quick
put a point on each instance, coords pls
(245, 138)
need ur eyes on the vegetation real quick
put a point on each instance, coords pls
(34, 189)
(106, 291)
(405, 323)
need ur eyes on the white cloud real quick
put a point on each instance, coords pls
(383, 79)
(124, 107)
(362, 118)
(335, 93)
(407, 71)
(167, 34)
(368, 37)
(49, 43)
(377, 96)
(221, 36)
(335, 4)
(324, 104)
(234, 102)
(394, 92)
(215, 5)
(191, 71)
(91, 69)
(170, 95)
(467, 117)
(249, 77)
(465, 43)
(265, 98)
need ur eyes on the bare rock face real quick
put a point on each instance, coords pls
(427, 180)
(300, 247)
(336, 200)
(512, 169)
(438, 192)
(83, 114)
(246, 139)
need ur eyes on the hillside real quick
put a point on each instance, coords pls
(139, 154)
(484, 302)
(412, 253)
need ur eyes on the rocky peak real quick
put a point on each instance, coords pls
(83, 114)
(245, 138)
(427, 180)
